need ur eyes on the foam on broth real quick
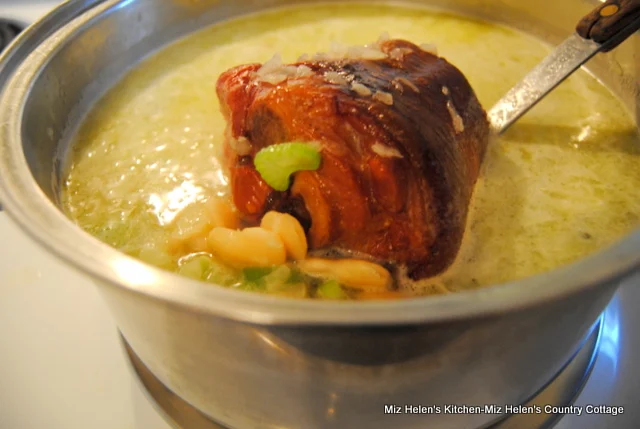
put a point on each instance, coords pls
(562, 183)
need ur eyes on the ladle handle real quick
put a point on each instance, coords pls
(603, 29)
(611, 23)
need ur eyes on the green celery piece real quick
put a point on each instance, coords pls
(222, 274)
(296, 277)
(203, 267)
(276, 163)
(277, 279)
(196, 268)
(255, 274)
(331, 290)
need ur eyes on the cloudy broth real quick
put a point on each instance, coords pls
(559, 185)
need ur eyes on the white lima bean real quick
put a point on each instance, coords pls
(193, 223)
(290, 231)
(223, 214)
(354, 273)
(251, 247)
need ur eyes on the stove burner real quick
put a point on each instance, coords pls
(560, 391)
(9, 30)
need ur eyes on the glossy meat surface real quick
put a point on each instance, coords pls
(402, 136)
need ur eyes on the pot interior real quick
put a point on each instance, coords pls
(75, 67)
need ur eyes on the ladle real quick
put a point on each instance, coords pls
(601, 30)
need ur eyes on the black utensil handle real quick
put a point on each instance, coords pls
(611, 23)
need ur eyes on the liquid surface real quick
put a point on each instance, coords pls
(559, 185)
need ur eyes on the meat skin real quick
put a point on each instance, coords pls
(396, 178)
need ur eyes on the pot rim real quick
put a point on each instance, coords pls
(36, 215)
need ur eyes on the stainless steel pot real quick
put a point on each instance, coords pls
(253, 361)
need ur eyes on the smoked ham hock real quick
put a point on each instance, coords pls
(402, 137)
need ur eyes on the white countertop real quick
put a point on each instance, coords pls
(25, 11)
(61, 362)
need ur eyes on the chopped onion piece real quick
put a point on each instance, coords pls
(456, 119)
(429, 47)
(408, 83)
(243, 146)
(386, 151)
(383, 97)
(360, 89)
(303, 71)
(399, 53)
(335, 78)
(384, 37)
(273, 64)
(365, 53)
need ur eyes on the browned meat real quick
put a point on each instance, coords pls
(402, 142)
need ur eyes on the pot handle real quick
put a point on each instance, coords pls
(611, 23)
